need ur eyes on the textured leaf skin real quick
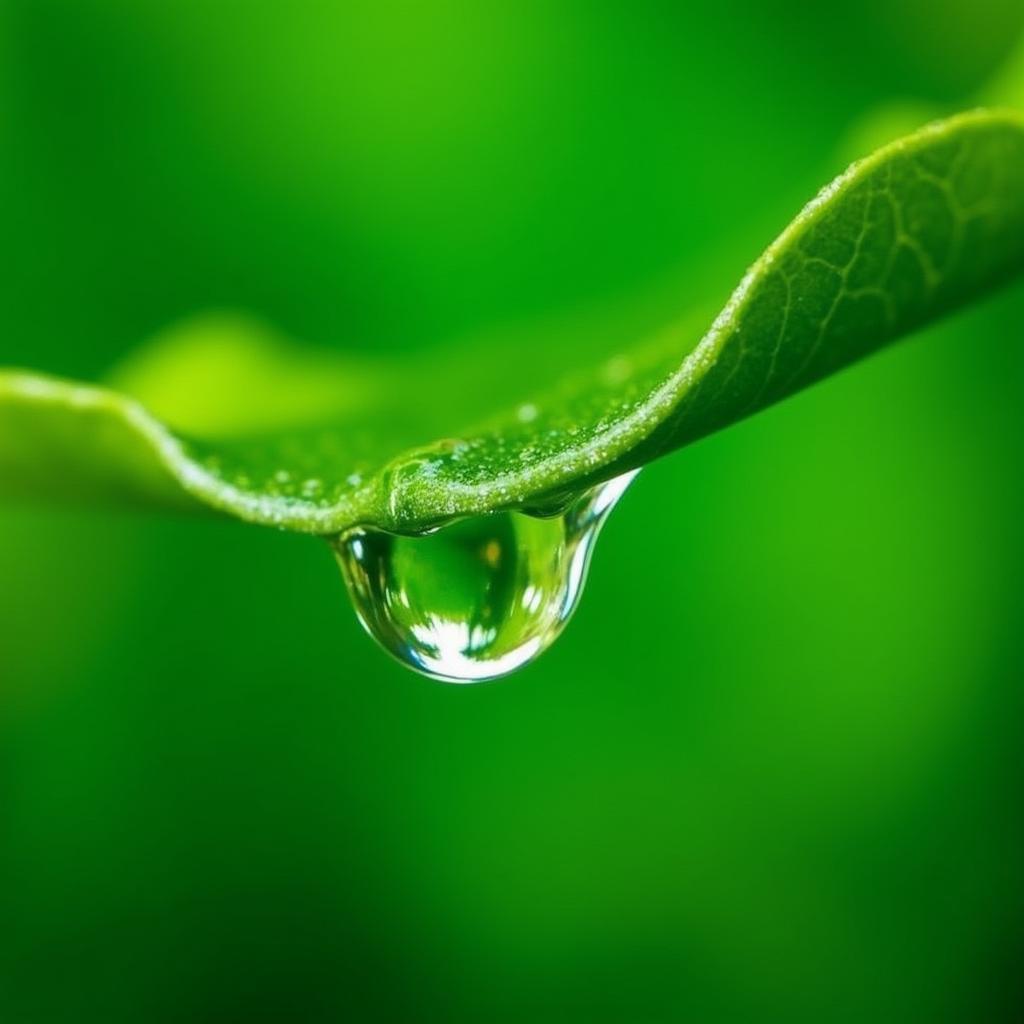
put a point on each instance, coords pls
(922, 226)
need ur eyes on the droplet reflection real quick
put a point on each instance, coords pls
(479, 598)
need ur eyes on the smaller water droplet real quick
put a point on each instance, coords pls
(480, 597)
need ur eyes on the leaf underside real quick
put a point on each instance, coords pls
(227, 417)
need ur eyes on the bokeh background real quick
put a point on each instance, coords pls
(771, 771)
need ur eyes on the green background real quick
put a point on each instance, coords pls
(771, 772)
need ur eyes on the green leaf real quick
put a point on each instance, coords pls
(226, 415)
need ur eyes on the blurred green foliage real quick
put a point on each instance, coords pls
(771, 770)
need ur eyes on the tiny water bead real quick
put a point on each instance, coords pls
(481, 597)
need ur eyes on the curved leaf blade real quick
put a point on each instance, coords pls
(920, 227)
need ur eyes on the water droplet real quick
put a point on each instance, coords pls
(481, 597)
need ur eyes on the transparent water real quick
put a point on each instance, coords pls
(479, 598)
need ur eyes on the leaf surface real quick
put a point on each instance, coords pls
(225, 415)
